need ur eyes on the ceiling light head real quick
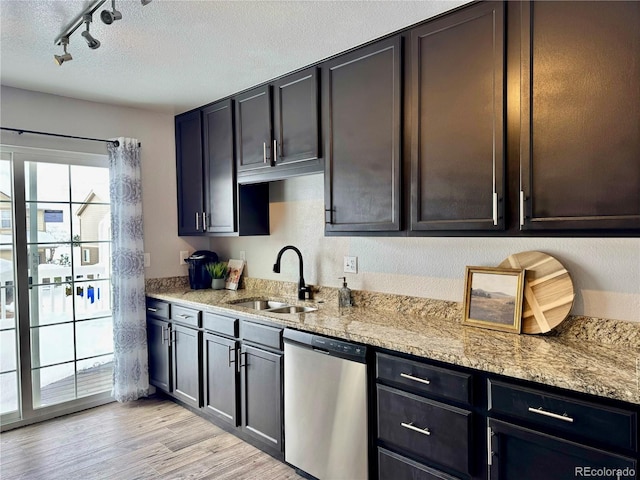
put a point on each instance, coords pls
(65, 57)
(108, 17)
(91, 42)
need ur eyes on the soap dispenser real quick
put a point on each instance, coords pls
(344, 294)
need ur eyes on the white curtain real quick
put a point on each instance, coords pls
(130, 361)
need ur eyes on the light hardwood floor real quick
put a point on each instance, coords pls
(148, 439)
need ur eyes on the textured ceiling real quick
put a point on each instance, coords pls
(176, 55)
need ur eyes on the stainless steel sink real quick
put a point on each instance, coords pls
(293, 309)
(261, 304)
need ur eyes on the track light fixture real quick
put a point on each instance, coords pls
(65, 57)
(86, 17)
(91, 42)
(108, 17)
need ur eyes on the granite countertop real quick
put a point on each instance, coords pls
(568, 361)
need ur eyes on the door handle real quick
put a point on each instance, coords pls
(231, 349)
(204, 222)
(275, 151)
(197, 221)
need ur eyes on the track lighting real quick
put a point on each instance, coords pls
(86, 17)
(91, 42)
(108, 17)
(65, 57)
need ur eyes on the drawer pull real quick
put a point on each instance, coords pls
(415, 379)
(152, 309)
(564, 417)
(410, 426)
(183, 316)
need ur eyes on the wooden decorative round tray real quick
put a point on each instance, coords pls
(548, 290)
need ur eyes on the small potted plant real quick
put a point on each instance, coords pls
(218, 272)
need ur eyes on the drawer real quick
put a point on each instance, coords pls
(603, 425)
(186, 316)
(428, 379)
(220, 324)
(425, 428)
(157, 309)
(392, 466)
(262, 334)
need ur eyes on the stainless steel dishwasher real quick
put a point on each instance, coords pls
(325, 406)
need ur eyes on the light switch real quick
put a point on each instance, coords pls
(147, 260)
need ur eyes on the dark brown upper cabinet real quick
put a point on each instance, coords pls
(580, 117)
(296, 120)
(190, 187)
(457, 125)
(254, 130)
(210, 202)
(362, 127)
(278, 137)
(219, 168)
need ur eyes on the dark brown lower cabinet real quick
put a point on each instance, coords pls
(186, 364)
(159, 345)
(261, 387)
(220, 377)
(523, 454)
(396, 467)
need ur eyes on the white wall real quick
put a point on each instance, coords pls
(605, 271)
(55, 114)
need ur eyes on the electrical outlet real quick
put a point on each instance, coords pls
(350, 264)
(147, 259)
(183, 255)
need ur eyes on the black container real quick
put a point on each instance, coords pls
(199, 278)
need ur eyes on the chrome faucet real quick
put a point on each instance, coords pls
(304, 291)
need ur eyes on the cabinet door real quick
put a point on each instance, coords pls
(361, 94)
(296, 119)
(219, 168)
(580, 141)
(186, 364)
(457, 136)
(220, 377)
(261, 378)
(189, 173)
(159, 345)
(523, 454)
(253, 129)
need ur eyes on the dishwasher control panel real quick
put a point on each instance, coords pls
(345, 349)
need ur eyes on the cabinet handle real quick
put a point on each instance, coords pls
(410, 426)
(521, 207)
(564, 417)
(245, 360)
(151, 309)
(490, 452)
(234, 355)
(275, 151)
(173, 335)
(182, 316)
(264, 152)
(164, 340)
(204, 222)
(415, 379)
(197, 221)
(495, 208)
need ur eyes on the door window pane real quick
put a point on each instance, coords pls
(52, 344)
(8, 350)
(46, 182)
(93, 299)
(49, 223)
(95, 375)
(94, 337)
(53, 385)
(89, 184)
(8, 392)
(51, 304)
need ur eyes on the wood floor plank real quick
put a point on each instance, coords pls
(148, 439)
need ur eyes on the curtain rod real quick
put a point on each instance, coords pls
(20, 131)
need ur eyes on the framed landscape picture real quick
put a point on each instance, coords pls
(493, 298)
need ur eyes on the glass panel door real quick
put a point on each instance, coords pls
(68, 220)
(9, 362)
